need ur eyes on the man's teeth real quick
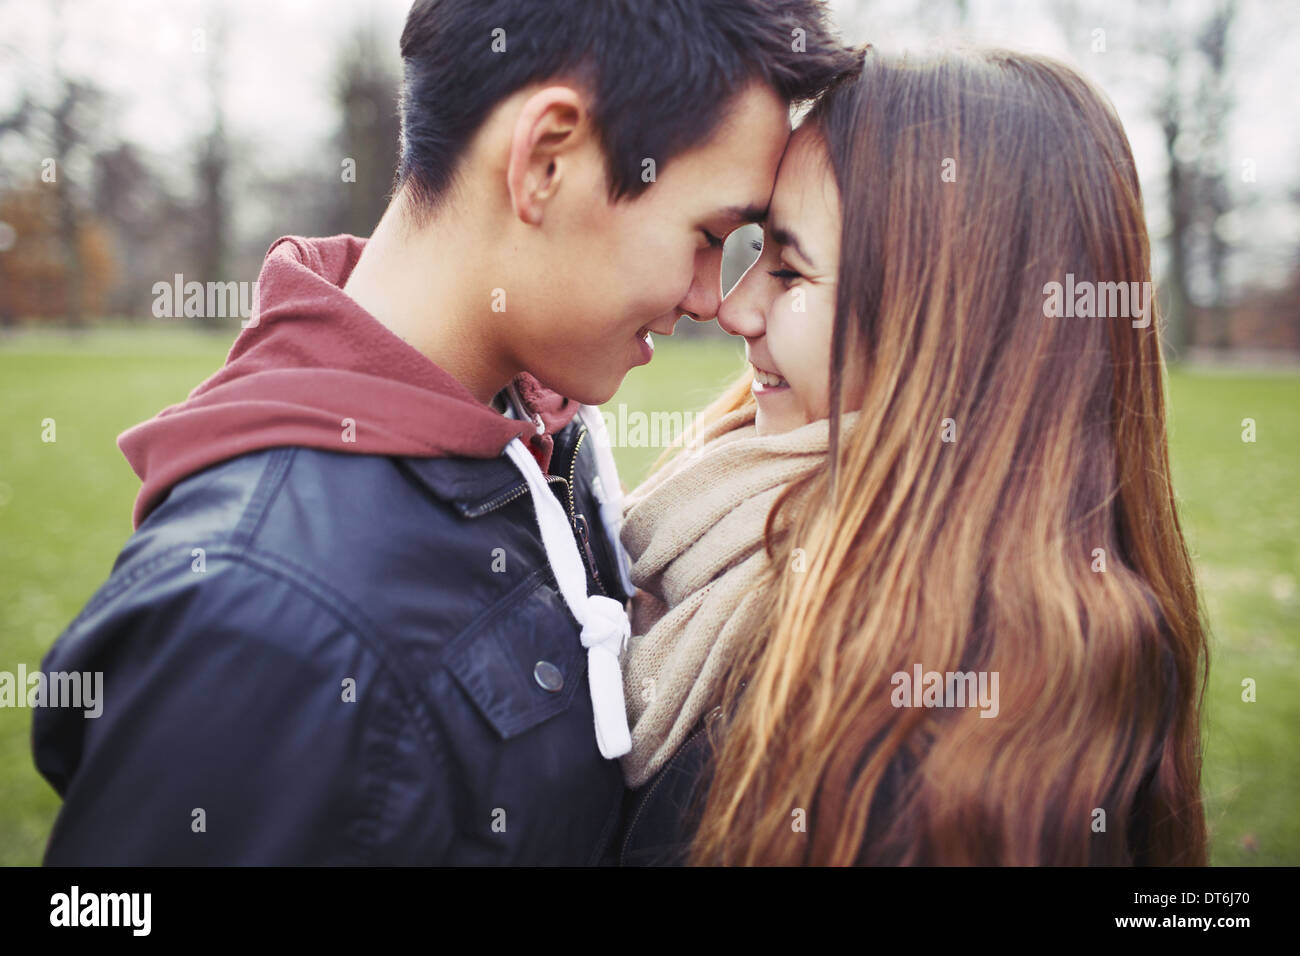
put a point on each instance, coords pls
(767, 379)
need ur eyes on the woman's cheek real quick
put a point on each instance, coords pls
(805, 330)
(783, 342)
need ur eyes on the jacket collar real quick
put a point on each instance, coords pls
(474, 485)
(470, 484)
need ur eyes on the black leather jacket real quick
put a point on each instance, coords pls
(311, 657)
(660, 818)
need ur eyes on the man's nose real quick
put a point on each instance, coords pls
(705, 294)
(700, 306)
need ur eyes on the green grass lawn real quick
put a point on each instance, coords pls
(1240, 505)
(65, 512)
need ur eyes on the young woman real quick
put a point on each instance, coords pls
(918, 593)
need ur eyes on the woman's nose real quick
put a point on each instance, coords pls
(741, 310)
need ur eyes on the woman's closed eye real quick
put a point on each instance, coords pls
(785, 274)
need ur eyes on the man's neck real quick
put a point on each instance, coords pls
(422, 287)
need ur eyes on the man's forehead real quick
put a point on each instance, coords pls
(761, 186)
(736, 171)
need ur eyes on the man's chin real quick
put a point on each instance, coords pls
(594, 397)
(584, 392)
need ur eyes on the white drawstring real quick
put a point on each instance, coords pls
(605, 627)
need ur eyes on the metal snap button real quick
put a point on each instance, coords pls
(548, 676)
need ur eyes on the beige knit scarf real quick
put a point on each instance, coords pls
(694, 532)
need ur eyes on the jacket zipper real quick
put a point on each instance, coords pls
(509, 496)
(573, 470)
(660, 776)
(579, 527)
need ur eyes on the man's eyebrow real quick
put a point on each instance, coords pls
(785, 237)
(741, 215)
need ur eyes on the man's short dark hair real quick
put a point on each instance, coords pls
(661, 74)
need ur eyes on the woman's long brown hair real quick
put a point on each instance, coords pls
(1040, 541)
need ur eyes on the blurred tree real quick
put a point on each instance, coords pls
(1194, 109)
(1214, 106)
(1169, 113)
(1181, 55)
(35, 277)
(15, 121)
(60, 122)
(69, 128)
(212, 169)
(146, 223)
(366, 83)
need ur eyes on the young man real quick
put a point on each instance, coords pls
(373, 609)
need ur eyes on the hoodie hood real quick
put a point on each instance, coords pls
(314, 369)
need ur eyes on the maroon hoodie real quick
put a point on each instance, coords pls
(315, 361)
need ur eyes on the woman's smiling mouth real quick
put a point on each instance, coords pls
(765, 381)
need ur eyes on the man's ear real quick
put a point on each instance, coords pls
(551, 125)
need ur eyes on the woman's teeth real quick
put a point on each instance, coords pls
(767, 379)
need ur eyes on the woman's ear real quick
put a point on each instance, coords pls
(552, 124)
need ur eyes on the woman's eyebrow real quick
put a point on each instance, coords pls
(785, 237)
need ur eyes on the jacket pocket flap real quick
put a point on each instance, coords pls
(510, 663)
